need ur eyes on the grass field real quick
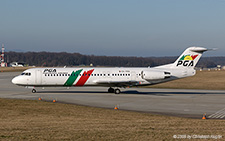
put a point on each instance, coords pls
(12, 69)
(39, 120)
(210, 80)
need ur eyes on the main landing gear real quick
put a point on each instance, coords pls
(116, 91)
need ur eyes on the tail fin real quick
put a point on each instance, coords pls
(188, 59)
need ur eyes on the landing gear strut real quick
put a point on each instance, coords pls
(34, 91)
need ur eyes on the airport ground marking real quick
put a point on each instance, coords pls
(219, 114)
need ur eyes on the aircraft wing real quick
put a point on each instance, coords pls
(117, 83)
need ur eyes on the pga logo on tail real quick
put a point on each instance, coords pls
(187, 60)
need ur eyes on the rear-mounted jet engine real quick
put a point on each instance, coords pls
(155, 75)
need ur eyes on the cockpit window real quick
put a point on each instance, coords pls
(26, 73)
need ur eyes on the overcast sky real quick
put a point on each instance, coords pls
(113, 27)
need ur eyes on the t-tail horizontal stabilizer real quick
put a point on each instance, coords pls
(188, 59)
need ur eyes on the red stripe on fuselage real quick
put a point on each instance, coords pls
(84, 78)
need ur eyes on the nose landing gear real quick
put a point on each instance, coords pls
(34, 91)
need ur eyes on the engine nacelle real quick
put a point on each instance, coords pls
(155, 75)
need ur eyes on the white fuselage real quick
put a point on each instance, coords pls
(110, 77)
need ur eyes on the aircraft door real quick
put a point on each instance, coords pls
(38, 77)
(133, 75)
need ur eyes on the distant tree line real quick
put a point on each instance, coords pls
(52, 59)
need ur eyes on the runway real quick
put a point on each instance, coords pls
(177, 102)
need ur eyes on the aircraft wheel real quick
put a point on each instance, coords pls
(34, 91)
(117, 91)
(111, 90)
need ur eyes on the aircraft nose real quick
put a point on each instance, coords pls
(15, 80)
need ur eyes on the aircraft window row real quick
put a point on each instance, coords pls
(87, 75)
(26, 73)
(120, 74)
(57, 74)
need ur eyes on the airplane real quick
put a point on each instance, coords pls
(114, 78)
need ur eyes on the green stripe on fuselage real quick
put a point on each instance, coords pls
(72, 78)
